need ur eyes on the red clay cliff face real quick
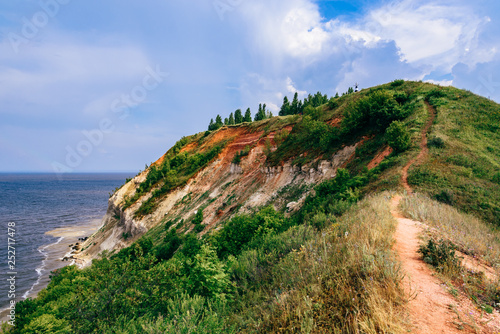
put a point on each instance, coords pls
(222, 189)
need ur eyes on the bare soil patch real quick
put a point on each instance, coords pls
(380, 157)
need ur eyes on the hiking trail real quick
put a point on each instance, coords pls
(431, 307)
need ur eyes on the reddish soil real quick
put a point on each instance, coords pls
(251, 177)
(225, 133)
(335, 121)
(186, 148)
(248, 139)
(159, 161)
(477, 265)
(189, 147)
(423, 149)
(432, 309)
(380, 157)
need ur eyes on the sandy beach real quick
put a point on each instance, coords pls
(54, 254)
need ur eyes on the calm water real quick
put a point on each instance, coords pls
(37, 204)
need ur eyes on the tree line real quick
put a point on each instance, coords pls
(287, 108)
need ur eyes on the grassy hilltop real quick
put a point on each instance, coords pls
(325, 265)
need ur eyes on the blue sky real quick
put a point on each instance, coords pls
(111, 85)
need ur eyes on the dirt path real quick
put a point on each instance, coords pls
(423, 148)
(432, 309)
(428, 305)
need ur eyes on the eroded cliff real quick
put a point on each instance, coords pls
(221, 189)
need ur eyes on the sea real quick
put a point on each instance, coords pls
(40, 216)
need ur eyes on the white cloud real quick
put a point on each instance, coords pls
(303, 32)
(358, 35)
(440, 82)
(427, 32)
(257, 88)
(290, 86)
(428, 36)
(281, 30)
(273, 107)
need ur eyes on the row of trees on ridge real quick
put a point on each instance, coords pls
(288, 108)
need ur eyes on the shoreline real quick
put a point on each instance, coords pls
(54, 253)
(73, 236)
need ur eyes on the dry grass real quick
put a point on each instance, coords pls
(472, 237)
(469, 234)
(344, 280)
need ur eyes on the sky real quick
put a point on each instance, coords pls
(96, 86)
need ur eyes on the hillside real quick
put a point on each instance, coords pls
(285, 224)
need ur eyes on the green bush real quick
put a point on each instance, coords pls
(398, 137)
(243, 153)
(333, 103)
(445, 196)
(397, 83)
(171, 243)
(48, 324)
(436, 142)
(198, 228)
(312, 111)
(496, 178)
(320, 220)
(439, 254)
(198, 217)
(208, 277)
(332, 198)
(191, 246)
(401, 97)
(240, 230)
(376, 110)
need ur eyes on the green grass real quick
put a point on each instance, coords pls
(467, 165)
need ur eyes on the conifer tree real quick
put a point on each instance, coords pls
(256, 117)
(248, 116)
(211, 126)
(261, 114)
(294, 108)
(285, 108)
(218, 122)
(238, 117)
(231, 119)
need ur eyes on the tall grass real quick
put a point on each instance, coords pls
(469, 234)
(345, 279)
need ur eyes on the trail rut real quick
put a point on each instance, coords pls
(423, 148)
